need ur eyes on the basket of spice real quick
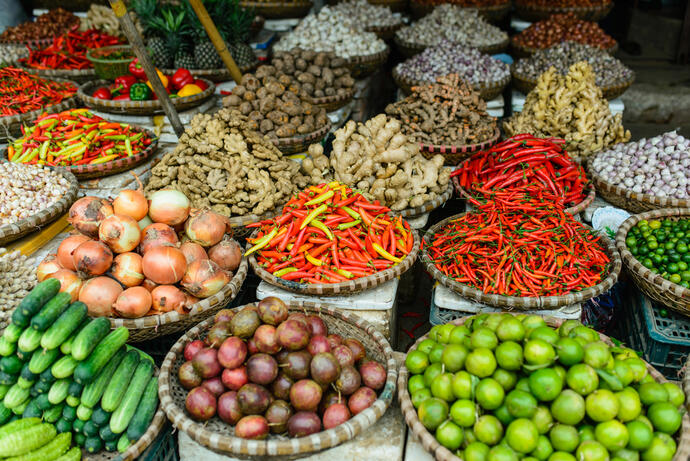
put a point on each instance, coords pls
(40, 32)
(536, 10)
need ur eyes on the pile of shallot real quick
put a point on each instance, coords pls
(657, 166)
(134, 257)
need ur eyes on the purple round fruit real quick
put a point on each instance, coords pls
(305, 395)
(200, 404)
(348, 381)
(318, 344)
(324, 368)
(253, 427)
(266, 339)
(272, 310)
(262, 369)
(362, 399)
(303, 423)
(280, 387)
(277, 415)
(229, 408)
(232, 353)
(373, 375)
(335, 415)
(253, 399)
(293, 335)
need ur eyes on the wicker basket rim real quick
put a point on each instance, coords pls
(333, 99)
(18, 118)
(301, 138)
(466, 147)
(428, 206)
(479, 86)
(58, 72)
(517, 76)
(561, 9)
(378, 56)
(387, 28)
(419, 46)
(530, 50)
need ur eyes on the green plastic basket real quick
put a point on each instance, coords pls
(110, 69)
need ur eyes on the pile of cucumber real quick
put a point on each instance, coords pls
(59, 365)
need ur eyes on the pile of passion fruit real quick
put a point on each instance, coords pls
(509, 387)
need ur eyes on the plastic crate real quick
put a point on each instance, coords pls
(164, 448)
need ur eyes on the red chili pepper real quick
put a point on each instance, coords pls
(22, 92)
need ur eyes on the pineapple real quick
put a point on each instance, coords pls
(242, 54)
(168, 31)
(239, 25)
(159, 52)
(184, 59)
(206, 56)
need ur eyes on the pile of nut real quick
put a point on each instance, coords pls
(448, 112)
(455, 24)
(17, 278)
(368, 15)
(318, 74)
(25, 190)
(274, 104)
(561, 27)
(609, 71)
(331, 30)
(55, 22)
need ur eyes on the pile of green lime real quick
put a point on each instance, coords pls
(503, 387)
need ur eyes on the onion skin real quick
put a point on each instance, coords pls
(121, 233)
(92, 258)
(131, 203)
(193, 251)
(127, 269)
(133, 303)
(69, 282)
(145, 222)
(155, 235)
(190, 301)
(204, 278)
(48, 266)
(86, 214)
(227, 254)
(99, 294)
(67, 246)
(205, 228)
(164, 265)
(149, 284)
(167, 298)
(169, 206)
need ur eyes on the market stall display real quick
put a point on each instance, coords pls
(373, 18)
(612, 76)
(336, 348)
(102, 17)
(491, 10)
(535, 10)
(17, 279)
(454, 24)
(570, 107)
(485, 74)
(644, 175)
(46, 26)
(538, 387)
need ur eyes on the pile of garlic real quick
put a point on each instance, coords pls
(17, 279)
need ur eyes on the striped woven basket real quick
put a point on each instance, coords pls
(75, 75)
(385, 32)
(399, 6)
(363, 66)
(301, 142)
(333, 103)
(457, 154)
(537, 13)
(218, 435)
(409, 49)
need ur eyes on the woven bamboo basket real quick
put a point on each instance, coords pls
(139, 107)
(333, 103)
(279, 9)
(399, 6)
(238, 223)
(519, 51)
(492, 13)
(153, 326)
(11, 232)
(628, 200)
(537, 13)
(385, 32)
(525, 85)
(10, 126)
(301, 142)
(526, 302)
(457, 154)
(75, 75)
(363, 66)
(351, 286)
(441, 453)
(409, 49)
(662, 290)
(39, 43)
(426, 207)
(219, 436)
(487, 90)
(216, 75)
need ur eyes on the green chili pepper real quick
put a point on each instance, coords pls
(347, 225)
(321, 226)
(321, 198)
(263, 241)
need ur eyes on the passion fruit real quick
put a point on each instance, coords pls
(272, 310)
(318, 344)
(362, 399)
(281, 386)
(266, 339)
(356, 347)
(253, 399)
(348, 381)
(373, 375)
(277, 415)
(324, 368)
(297, 364)
(252, 427)
(245, 323)
(232, 353)
(303, 423)
(335, 415)
(305, 395)
(229, 408)
(293, 334)
(262, 369)
(344, 355)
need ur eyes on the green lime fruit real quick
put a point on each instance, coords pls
(542, 419)
(476, 451)
(444, 333)
(510, 329)
(432, 412)
(664, 417)
(489, 394)
(623, 371)
(507, 379)
(433, 333)
(441, 387)
(638, 368)
(640, 435)
(453, 357)
(502, 453)
(561, 456)
(561, 372)
(586, 333)
(582, 378)
(648, 379)
(652, 392)
(568, 408)
(645, 420)
(469, 436)
(521, 404)
(597, 354)
(522, 384)
(539, 352)
(612, 434)
(426, 345)
(488, 430)
(481, 362)
(450, 435)
(586, 432)
(544, 333)
(416, 362)
(532, 321)
(522, 435)
(415, 383)
(419, 396)
(509, 355)
(431, 372)
(675, 394)
(629, 404)
(463, 385)
(459, 335)
(483, 338)
(477, 321)
(601, 405)
(546, 384)
(567, 326)
(494, 320)
(570, 352)
(591, 450)
(436, 353)
(662, 448)
(564, 438)
(503, 414)
(463, 413)
(543, 450)
(625, 455)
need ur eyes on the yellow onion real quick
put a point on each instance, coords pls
(205, 228)
(99, 295)
(132, 203)
(67, 246)
(204, 278)
(86, 214)
(227, 254)
(121, 233)
(167, 298)
(133, 303)
(157, 234)
(169, 206)
(164, 265)
(149, 284)
(127, 269)
(92, 258)
(144, 222)
(193, 251)
(69, 282)
(48, 266)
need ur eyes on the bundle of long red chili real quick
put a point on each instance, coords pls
(68, 51)
(76, 137)
(524, 160)
(329, 234)
(22, 92)
(519, 245)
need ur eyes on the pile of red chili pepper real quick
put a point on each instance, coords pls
(76, 137)
(330, 234)
(68, 51)
(524, 160)
(519, 244)
(22, 92)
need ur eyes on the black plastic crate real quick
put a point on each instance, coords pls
(164, 448)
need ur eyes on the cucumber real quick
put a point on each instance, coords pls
(125, 412)
(110, 445)
(15, 397)
(53, 413)
(19, 409)
(29, 340)
(73, 454)
(142, 355)
(32, 410)
(87, 370)
(64, 367)
(51, 311)
(93, 444)
(25, 383)
(58, 391)
(72, 401)
(3, 390)
(7, 348)
(66, 347)
(63, 425)
(24, 441)
(117, 387)
(28, 374)
(43, 359)
(107, 435)
(47, 377)
(56, 447)
(12, 333)
(11, 365)
(64, 326)
(89, 337)
(79, 439)
(5, 414)
(43, 401)
(90, 429)
(100, 417)
(6, 379)
(75, 389)
(123, 443)
(18, 425)
(94, 390)
(32, 303)
(78, 425)
(84, 413)
(41, 387)
(69, 413)
(24, 356)
(145, 411)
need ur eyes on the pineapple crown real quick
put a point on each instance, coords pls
(232, 21)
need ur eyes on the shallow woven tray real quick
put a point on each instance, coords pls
(525, 85)
(277, 10)
(385, 32)
(537, 13)
(456, 154)
(409, 49)
(519, 51)
(139, 107)
(153, 326)
(363, 66)
(11, 232)
(441, 453)
(427, 206)
(217, 435)
(628, 200)
(394, 5)
(334, 289)
(519, 302)
(333, 103)
(215, 75)
(301, 142)
(10, 126)
(492, 13)
(75, 75)
(487, 90)
(654, 285)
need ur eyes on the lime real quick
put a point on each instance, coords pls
(481, 362)
(567, 326)
(564, 438)
(441, 387)
(510, 329)
(431, 372)
(623, 371)
(523, 384)
(522, 435)
(647, 379)
(433, 333)
(463, 413)
(561, 372)
(432, 412)
(653, 392)
(501, 453)
(640, 435)
(444, 333)
(570, 351)
(521, 404)
(489, 394)
(488, 429)
(419, 396)
(586, 333)
(483, 338)
(561, 456)
(582, 378)
(543, 450)
(601, 405)
(450, 435)
(629, 404)
(469, 436)
(626, 353)
(597, 354)
(568, 408)
(538, 352)
(459, 335)
(638, 368)
(586, 432)
(463, 385)
(436, 353)
(503, 415)
(544, 333)
(542, 419)
(453, 357)
(625, 455)
(662, 448)
(533, 321)
(546, 384)
(476, 451)
(664, 417)
(476, 321)
(509, 355)
(591, 450)
(645, 420)
(494, 320)
(426, 345)
(675, 394)
(612, 434)
(416, 362)
(415, 383)
(505, 378)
